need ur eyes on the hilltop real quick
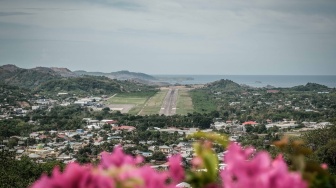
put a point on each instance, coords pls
(311, 87)
(223, 85)
(31, 78)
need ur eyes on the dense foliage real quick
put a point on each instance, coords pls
(22, 173)
(311, 87)
(312, 102)
(91, 85)
(323, 144)
(13, 95)
(26, 78)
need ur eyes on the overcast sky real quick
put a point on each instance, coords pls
(235, 37)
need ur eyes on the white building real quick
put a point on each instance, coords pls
(283, 124)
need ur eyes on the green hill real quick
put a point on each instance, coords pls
(27, 78)
(119, 75)
(93, 85)
(310, 87)
(223, 85)
(54, 80)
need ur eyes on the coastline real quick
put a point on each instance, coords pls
(280, 81)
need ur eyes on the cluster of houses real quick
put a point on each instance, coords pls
(237, 127)
(274, 99)
(64, 145)
(7, 111)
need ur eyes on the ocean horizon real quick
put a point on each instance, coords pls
(281, 81)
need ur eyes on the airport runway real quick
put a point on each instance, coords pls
(169, 104)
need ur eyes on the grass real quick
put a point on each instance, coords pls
(138, 99)
(184, 103)
(148, 103)
(154, 103)
(202, 102)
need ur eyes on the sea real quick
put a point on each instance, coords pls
(280, 81)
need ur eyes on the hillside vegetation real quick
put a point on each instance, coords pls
(91, 85)
(54, 80)
(223, 86)
(205, 101)
(310, 102)
(311, 87)
(88, 84)
(13, 95)
(26, 78)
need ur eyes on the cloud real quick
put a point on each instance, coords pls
(226, 34)
(14, 13)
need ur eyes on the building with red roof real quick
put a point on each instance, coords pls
(253, 123)
(272, 91)
(124, 127)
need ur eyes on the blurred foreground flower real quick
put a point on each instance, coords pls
(115, 170)
(244, 168)
(74, 176)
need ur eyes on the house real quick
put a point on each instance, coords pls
(151, 148)
(63, 156)
(124, 127)
(236, 128)
(165, 149)
(316, 125)
(219, 125)
(283, 125)
(146, 154)
(272, 91)
(93, 127)
(234, 103)
(253, 123)
(114, 138)
(229, 122)
(35, 107)
(34, 156)
(110, 122)
(80, 131)
(33, 135)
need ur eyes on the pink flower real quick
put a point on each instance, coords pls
(118, 158)
(176, 171)
(260, 171)
(197, 162)
(74, 176)
(324, 166)
(154, 179)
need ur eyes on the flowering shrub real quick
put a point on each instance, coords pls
(260, 171)
(244, 168)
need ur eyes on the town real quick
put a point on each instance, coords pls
(65, 133)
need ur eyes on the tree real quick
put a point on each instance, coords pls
(77, 137)
(248, 128)
(327, 154)
(159, 156)
(106, 109)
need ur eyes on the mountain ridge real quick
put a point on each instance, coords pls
(119, 75)
(55, 79)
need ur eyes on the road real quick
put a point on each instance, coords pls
(169, 104)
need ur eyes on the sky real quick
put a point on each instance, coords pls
(216, 37)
